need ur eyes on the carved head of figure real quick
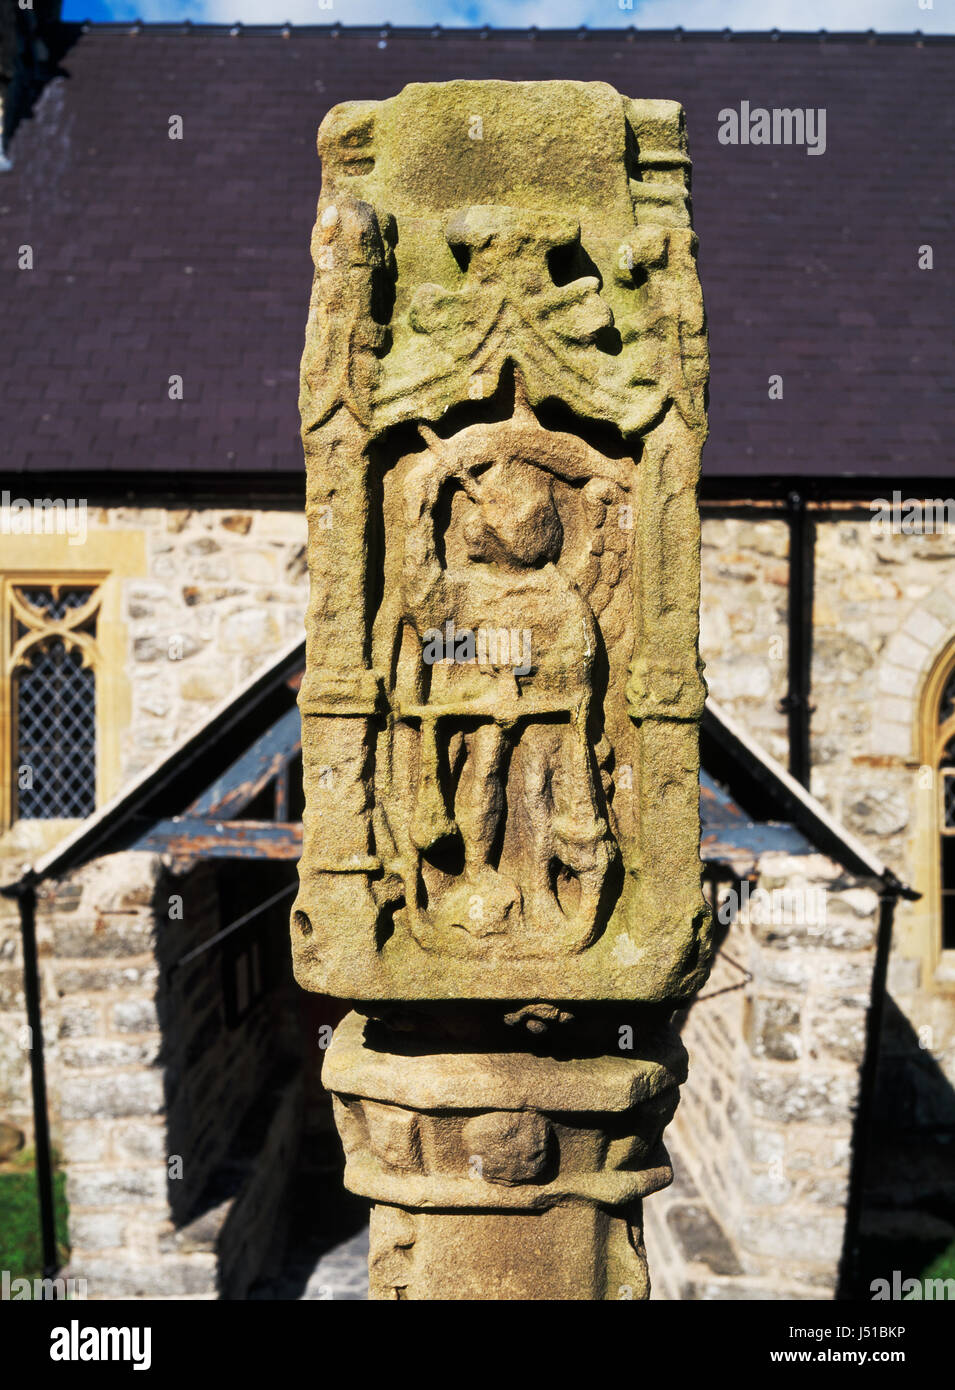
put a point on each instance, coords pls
(516, 522)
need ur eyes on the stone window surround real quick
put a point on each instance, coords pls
(917, 661)
(105, 559)
(941, 962)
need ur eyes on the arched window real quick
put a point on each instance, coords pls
(944, 761)
(53, 660)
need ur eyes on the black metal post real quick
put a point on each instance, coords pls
(796, 702)
(41, 1121)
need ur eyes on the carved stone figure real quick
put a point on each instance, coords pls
(503, 412)
(492, 804)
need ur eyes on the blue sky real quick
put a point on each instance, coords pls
(900, 16)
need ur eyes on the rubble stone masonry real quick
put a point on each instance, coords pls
(232, 586)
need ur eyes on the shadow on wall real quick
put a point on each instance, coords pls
(908, 1206)
(236, 1068)
(813, 1165)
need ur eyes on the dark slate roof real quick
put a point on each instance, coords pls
(156, 257)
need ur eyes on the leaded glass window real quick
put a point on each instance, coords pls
(53, 660)
(947, 773)
(946, 808)
(946, 709)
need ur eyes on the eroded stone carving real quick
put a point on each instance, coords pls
(494, 823)
(506, 1132)
(503, 412)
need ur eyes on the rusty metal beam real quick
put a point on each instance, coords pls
(190, 838)
(260, 763)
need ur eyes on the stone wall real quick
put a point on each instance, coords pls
(15, 1100)
(884, 615)
(743, 621)
(224, 590)
(761, 1141)
(160, 1110)
(884, 612)
(97, 934)
(221, 592)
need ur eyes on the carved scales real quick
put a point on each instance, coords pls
(503, 412)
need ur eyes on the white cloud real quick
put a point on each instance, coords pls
(886, 16)
(894, 16)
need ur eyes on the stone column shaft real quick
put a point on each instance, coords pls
(502, 414)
